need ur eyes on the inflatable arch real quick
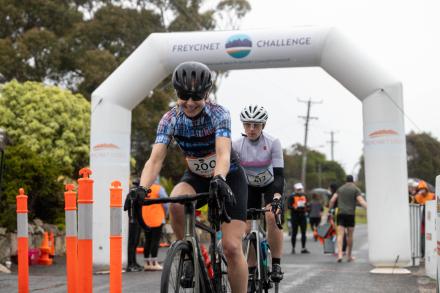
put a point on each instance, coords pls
(379, 92)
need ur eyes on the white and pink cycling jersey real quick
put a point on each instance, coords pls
(258, 158)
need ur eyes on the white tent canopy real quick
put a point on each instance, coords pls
(379, 92)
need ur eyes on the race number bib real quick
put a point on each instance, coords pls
(202, 166)
(301, 203)
(261, 179)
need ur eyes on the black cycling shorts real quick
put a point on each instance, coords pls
(345, 220)
(255, 194)
(237, 182)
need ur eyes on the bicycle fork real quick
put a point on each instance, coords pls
(254, 231)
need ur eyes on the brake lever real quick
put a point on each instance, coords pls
(274, 208)
(226, 218)
(278, 221)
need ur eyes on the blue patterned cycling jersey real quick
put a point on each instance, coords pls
(195, 136)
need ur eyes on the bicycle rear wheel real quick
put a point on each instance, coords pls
(177, 269)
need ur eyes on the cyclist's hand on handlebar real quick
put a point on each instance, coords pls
(277, 209)
(332, 212)
(223, 189)
(277, 205)
(137, 195)
(139, 192)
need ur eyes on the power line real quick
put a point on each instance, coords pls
(306, 125)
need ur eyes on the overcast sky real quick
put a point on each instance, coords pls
(402, 36)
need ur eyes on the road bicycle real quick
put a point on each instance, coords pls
(255, 243)
(186, 267)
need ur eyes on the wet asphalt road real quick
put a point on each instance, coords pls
(313, 272)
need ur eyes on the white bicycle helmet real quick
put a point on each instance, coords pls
(298, 186)
(254, 114)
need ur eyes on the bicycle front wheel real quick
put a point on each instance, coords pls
(178, 269)
(255, 282)
(225, 286)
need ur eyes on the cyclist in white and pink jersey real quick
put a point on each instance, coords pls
(261, 156)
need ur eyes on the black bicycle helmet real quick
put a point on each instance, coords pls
(192, 78)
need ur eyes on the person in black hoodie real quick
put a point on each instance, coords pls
(134, 231)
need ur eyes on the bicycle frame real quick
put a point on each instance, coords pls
(200, 277)
(259, 234)
(191, 237)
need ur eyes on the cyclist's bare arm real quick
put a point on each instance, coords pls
(153, 165)
(223, 155)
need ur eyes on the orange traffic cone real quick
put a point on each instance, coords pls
(44, 248)
(51, 245)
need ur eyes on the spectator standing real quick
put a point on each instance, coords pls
(154, 217)
(133, 231)
(422, 195)
(333, 188)
(315, 213)
(412, 190)
(347, 195)
(297, 203)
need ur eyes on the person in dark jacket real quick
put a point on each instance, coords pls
(297, 203)
(134, 231)
(315, 213)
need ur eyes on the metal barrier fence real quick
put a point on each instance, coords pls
(415, 215)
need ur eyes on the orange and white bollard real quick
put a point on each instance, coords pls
(85, 232)
(116, 237)
(22, 242)
(71, 239)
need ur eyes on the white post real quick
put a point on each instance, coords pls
(437, 228)
(430, 239)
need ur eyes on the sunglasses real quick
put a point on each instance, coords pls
(187, 96)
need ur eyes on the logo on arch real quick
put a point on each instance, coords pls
(238, 46)
(383, 132)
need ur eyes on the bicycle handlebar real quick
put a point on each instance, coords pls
(216, 213)
(253, 212)
(178, 199)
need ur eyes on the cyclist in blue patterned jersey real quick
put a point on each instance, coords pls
(261, 156)
(202, 129)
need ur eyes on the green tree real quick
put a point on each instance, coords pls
(423, 152)
(78, 43)
(320, 171)
(39, 176)
(47, 120)
(32, 37)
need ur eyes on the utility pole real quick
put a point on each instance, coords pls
(306, 124)
(332, 144)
